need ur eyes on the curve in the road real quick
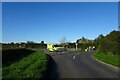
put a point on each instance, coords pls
(81, 65)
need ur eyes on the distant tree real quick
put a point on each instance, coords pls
(30, 44)
(17, 45)
(22, 44)
(83, 39)
(12, 43)
(108, 44)
(0, 46)
(63, 41)
(42, 42)
(77, 40)
(72, 45)
(100, 36)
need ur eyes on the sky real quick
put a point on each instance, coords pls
(60, 0)
(51, 21)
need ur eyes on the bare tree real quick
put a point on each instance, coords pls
(63, 41)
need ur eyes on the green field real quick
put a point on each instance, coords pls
(108, 58)
(31, 66)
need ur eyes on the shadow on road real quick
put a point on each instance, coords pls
(52, 73)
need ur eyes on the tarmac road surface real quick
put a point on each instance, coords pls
(79, 65)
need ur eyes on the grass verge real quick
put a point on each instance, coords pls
(32, 66)
(10, 56)
(108, 58)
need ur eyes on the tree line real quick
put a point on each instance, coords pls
(28, 44)
(108, 44)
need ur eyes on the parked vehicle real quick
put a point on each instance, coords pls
(51, 48)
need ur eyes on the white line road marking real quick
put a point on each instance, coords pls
(73, 57)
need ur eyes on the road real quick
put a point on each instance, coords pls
(79, 65)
